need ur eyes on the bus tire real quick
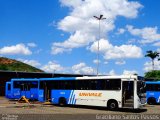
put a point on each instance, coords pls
(112, 105)
(62, 101)
(151, 101)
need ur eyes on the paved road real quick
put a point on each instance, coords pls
(11, 110)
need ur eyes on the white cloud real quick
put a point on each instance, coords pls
(121, 31)
(96, 61)
(104, 45)
(158, 50)
(75, 41)
(147, 34)
(157, 44)
(148, 65)
(82, 68)
(120, 62)
(129, 72)
(106, 62)
(124, 51)
(56, 50)
(32, 45)
(84, 28)
(52, 66)
(130, 41)
(30, 62)
(69, 3)
(19, 49)
(112, 72)
(113, 52)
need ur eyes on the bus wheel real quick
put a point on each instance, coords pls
(151, 101)
(62, 101)
(112, 105)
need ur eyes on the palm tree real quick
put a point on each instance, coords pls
(152, 55)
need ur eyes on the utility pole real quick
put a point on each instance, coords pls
(99, 19)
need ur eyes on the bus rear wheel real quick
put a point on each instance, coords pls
(112, 105)
(151, 101)
(62, 101)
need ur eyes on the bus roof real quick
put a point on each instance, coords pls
(8, 82)
(58, 78)
(94, 77)
(24, 79)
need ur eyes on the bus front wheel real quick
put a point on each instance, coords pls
(112, 105)
(151, 101)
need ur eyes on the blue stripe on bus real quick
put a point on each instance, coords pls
(69, 99)
(73, 99)
(59, 78)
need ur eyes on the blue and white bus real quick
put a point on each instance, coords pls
(17, 88)
(153, 92)
(108, 91)
(8, 90)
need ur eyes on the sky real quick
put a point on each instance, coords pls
(62, 36)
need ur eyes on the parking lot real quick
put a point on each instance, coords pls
(16, 111)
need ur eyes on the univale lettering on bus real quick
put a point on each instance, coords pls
(90, 94)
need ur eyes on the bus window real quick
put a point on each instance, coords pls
(149, 87)
(16, 84)
(68, 85)
(153, 87)
(93, 84)
(55, 84)
(114, 84)
(78, 84)
(9, 86)
(157, 87)
(34, 84)
(22, 86)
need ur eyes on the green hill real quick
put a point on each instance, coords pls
(14, 65)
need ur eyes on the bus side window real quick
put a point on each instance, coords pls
(157, 87)
(34, 84)
(9, 86)
(99, 84)
(114, 84)
(16, 84)
(149, 87)
(93, 84)
(68, 84)
(41, 85)
(103, 84)
(78, 84)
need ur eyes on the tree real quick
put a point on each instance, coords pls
(153, 75)
(152, 55)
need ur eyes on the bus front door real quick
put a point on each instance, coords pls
(128, 94)
(47, 92)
